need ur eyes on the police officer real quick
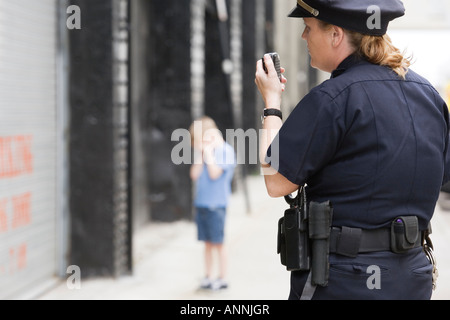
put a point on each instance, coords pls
(372, 140)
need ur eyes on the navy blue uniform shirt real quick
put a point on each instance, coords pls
(373, 144)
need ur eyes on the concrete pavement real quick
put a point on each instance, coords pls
(169, 260)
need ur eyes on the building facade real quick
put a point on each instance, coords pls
(91, 92)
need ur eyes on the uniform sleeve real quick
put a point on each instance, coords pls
(308, 139)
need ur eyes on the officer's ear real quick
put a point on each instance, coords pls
(337, 34)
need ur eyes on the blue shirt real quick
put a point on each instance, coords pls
(216, 193)
(373, 144)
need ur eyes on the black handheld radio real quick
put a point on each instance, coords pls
(276, 61)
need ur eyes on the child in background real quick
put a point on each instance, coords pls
(212, 171)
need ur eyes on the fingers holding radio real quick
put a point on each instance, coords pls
(283, 78)
(269, 84)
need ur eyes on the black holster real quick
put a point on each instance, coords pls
(304, 237)
(293, 242)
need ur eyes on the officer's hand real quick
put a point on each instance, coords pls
(269, 84)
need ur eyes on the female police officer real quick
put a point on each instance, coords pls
(372, 140)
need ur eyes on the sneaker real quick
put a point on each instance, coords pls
(206, 283)
(219, 284)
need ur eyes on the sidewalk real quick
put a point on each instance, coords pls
(169, 260)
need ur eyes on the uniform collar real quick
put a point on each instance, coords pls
(348, 62)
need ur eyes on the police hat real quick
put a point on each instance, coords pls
(369, 17)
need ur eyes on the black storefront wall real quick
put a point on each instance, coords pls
(218, 104)
(100, 242)
(218, 101)
(169, 108)
(168, 85)
(163, 98)
(161, 103)
(249, 102)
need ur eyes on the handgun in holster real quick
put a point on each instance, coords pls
(293, 239)
(304, 236)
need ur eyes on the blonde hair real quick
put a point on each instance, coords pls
(377, 50)
(207, 123)
(380, 50)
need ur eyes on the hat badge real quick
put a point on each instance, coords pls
(308, 8)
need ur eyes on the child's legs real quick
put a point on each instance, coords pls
(223, 257)
(208, 259)
(217, 239)
(211, 249)
(211, 223)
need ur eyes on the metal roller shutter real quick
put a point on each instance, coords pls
(28, 42)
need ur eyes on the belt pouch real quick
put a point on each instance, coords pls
(293, 244)
(320, 217)
(404, 233)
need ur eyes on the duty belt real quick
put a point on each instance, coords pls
(351, 241)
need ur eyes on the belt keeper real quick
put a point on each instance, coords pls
(349, 242)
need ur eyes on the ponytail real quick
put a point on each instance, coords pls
(377, 50)
(380, 50)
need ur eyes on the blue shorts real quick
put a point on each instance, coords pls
(211, 224)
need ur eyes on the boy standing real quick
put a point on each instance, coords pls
(213, 170)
